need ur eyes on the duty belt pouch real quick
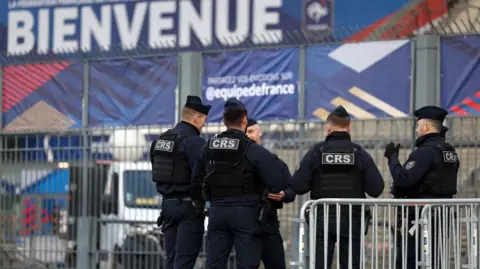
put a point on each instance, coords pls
(261, 210)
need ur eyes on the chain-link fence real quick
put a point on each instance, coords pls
(40, 206)
(83, 189)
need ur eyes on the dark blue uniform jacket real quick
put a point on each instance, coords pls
(268, 168)
(302, 178)
(421, 160)
(190, 148)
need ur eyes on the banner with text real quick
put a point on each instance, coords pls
(370, 79)
(81, 26)
(69, 26)
(265, 80)
(461, 74)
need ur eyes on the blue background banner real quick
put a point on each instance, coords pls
(125, 24)
(133, 92)
(265, 80)
(461, 74)
(186, 24)
(42, 96)
(369, 79)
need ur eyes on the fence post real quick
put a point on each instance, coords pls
(425, 73)
(1, 110)
(301, 138)
(190, 73)
(84, 257)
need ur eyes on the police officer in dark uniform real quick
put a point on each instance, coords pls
(173, 156)
(430, 172)
(234, 172)
(338, 168)
(273, 252)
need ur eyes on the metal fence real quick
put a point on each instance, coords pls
(35, 217)
(56, 204)
(389, 233)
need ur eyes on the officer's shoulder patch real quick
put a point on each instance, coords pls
(450, 157)
(338, 158)
(409, 165)
(164, 145)
(224, 143)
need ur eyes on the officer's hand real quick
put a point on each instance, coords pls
(277, 196)
(390, 149)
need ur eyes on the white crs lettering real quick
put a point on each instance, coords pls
(224, 143)
(450, 157)
(338, 158)
(164, 145)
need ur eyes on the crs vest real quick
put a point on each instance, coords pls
(441, 181)
(229, 173)
(168, 166)
(337, 175)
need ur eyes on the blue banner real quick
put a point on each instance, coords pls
(461, 74)
(370, 80)
(187, 24)
(265, 80)
(69, 26)
(133, 92)
(42, 96)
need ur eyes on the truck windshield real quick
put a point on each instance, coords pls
(139, 190)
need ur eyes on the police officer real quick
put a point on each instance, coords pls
(173, 156)
(273, 253)
(430, 172)
(234, 172)
(338, 168)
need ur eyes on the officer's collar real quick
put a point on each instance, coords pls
(190, 127)
(235, 132)
(429, 137)
(338, 136)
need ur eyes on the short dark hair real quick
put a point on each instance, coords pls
(234, 117)
(437, 125)
(338, 121)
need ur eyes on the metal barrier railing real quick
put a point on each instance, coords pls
(443, 232)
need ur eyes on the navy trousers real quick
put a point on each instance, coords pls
(343, 245)
(235, 226)
(273, 253)
(183, 233)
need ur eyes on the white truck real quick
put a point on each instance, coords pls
(125, 204)
(124, 200)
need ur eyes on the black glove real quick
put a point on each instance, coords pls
(390, 149)
(398, 192)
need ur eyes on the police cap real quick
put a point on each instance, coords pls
(431, 113)
(233, 104)
(195, 103)
(251, 122)
(340, 112)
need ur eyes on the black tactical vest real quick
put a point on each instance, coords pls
(337, 175)
(168, 166)
(441, 181)
(229, 173)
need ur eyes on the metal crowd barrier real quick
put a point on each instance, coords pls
(444, 233)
